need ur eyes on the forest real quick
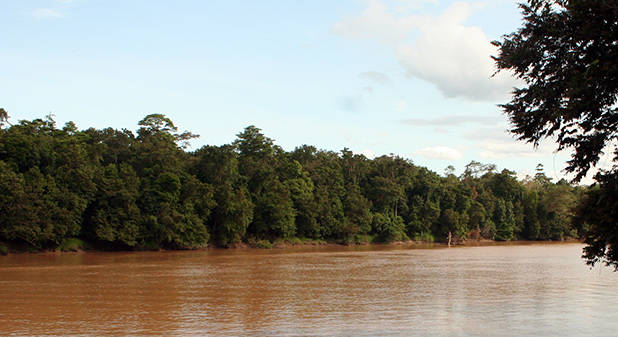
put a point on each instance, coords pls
(118, 190)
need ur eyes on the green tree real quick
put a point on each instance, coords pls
(110, 146)
(327, 176)
(259, 160)
(52, 176)
(477, 218)
(233, 209)
(387, 184)
(532, 226)
(113, 215)
(357, 211)
(504, 220)
(173, 204)
(35, 210)
(301, 189)
(423, 195)
(388, 227)
(4, 117)
(449, 224)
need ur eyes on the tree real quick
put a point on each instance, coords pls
(112, 216)
(329, 191)
(4, 117)
(448, 224)
(161, 125)
(566, 54)
(389, 227)
(173, 204)
(258, 161)
(233, 210)
(124, 191)
(475, 169)
(602, 237)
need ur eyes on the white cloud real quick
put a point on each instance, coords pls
(499, 132)
(439, 152)
(455, 57)
(46, 13)
(445, 52)
(453, 120)
(374, 22)
(403, 5)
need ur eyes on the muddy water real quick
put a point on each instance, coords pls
(518, 290)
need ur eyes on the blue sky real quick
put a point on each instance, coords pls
(408, 77)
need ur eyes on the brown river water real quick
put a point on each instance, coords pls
(502, 290)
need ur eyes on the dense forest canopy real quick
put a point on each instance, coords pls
(121, 190)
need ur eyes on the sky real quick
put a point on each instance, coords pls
(411, 78)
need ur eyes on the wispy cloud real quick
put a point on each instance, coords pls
(46, 13)
(375, 22)
(490, 133)
(452, 120)
(513, 149)
(439, 152)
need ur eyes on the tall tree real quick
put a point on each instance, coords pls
(4, 117)
(233, 209)
(170, 199)
(600, 208)
(259, 159)
(566, 54)
(113, 215)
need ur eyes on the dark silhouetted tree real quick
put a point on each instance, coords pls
(566, 54)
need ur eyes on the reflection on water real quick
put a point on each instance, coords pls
(350, 291)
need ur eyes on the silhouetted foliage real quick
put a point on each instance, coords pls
(600, 210)
(566, 54)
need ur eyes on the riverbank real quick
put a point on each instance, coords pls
(77, 246)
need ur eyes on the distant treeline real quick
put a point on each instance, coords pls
(120, 190)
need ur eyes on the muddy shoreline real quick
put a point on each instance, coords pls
(309, 245)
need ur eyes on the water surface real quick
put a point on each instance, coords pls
(513, 290)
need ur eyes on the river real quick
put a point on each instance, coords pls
(497, 290)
